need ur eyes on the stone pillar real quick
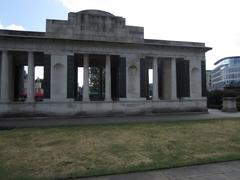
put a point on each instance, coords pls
(58, 77)
(173, 80)
(195, 79)
(229, 104)
(108, 96)
(86, 77)
(5, 91)
(30, 84)
(133, 77)
(155, 79)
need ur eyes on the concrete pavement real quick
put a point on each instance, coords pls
(65, 121)
(219, 171)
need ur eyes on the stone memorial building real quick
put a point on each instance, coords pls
(101, 43)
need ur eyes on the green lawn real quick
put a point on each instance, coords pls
(59, 152)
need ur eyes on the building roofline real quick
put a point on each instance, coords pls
(151, 42)
(230, 57)
(95, 11)
(5, 32)
(176, 43)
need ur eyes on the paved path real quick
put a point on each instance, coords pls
(58, 121)
(218, 171)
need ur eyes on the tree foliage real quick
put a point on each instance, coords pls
(214, 98)
(97, 83)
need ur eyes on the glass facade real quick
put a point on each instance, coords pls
(227, 73)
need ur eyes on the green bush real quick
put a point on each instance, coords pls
(214, 98)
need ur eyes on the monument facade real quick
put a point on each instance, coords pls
(115, 59)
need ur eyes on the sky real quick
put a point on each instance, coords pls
(214, 22)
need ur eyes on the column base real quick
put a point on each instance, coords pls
(86, 100)
(4, 100)
(156, 99)
(30, 100)
(59, 100)
(132, 99)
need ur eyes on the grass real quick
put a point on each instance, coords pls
(63, 152)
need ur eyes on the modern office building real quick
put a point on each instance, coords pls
(227, 73)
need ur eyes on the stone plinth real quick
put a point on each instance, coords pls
(100, 108)
(229, 104)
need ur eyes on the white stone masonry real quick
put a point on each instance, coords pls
(30, 84)
(108, 79)
(5, 77)
(86, 77)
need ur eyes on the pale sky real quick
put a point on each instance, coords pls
(215, 22)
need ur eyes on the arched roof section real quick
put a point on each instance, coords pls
(96, 12)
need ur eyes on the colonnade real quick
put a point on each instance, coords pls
(86, 78)
(171, 79)
(5, 81)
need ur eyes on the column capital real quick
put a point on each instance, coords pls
(85, 56)
(4, 54)
(30, 53)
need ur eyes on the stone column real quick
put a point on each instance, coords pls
(5, 95)
(86, 77)
(108, 96)
(173, 80)
(58, 77)
(30, 86)
(155, 79)
(133, 77)
(195, 79)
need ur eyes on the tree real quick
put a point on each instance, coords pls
(97, 83)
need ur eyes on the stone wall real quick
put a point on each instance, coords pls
(94, 25)
(101, 108)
